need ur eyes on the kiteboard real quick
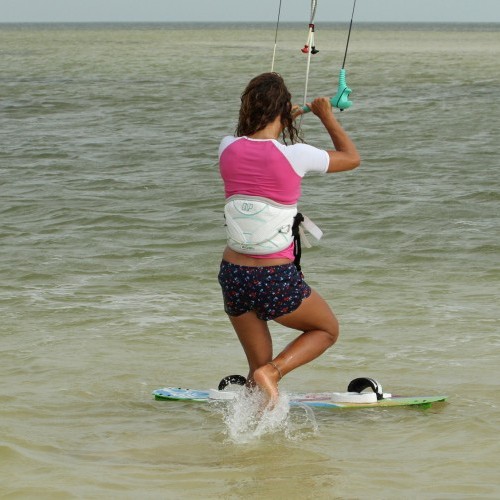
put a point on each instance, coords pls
(355, 397)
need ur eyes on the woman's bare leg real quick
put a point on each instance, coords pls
(320, 331)
(255, 339)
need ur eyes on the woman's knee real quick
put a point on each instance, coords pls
(328, 327)
(333, 330)
(328, 323)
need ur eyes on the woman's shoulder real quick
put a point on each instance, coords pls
(305, 158)
(295, 145)
(226, 141)
(299, 148)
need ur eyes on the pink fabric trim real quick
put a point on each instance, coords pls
(259, 168)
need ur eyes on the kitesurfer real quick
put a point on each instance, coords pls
(259, 279)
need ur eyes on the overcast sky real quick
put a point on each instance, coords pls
(247, 10)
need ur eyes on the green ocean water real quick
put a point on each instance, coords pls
(111, 232)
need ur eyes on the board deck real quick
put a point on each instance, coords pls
(318, 400)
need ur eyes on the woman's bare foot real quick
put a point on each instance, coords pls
(267, 377)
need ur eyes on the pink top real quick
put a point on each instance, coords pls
(265, 167)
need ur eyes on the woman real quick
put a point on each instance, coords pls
(258, 277)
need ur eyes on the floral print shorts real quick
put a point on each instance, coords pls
(270, 291)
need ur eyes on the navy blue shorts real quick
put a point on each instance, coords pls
(270, 291)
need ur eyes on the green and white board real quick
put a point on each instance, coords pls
(352, 399)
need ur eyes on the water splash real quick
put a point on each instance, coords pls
(248, 418)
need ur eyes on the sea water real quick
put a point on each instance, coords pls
(111, 232)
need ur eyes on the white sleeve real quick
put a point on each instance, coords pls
(225, 142)
(305, 158)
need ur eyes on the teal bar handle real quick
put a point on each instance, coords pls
(341, 99)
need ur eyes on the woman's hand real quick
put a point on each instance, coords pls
(296, 111)
(321, 107)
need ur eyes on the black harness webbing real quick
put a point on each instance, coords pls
(297, 249)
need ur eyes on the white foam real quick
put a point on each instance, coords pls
(248, 418)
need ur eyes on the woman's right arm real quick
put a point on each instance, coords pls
(345, 156)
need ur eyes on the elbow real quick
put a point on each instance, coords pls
(340, 162)
(355, 161)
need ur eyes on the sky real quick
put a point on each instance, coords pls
(247, 10)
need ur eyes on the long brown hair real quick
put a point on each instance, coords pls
(265, 98)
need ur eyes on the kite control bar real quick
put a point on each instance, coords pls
(341, 99)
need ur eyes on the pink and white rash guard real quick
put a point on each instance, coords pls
(265, 167)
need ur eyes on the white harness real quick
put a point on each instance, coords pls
(260, 226)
